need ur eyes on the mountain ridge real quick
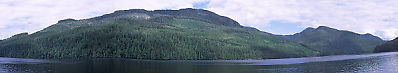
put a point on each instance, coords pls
(160, 34)
(331, 41)
(184, 34)
(389, 46)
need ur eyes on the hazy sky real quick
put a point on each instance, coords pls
(378, 17)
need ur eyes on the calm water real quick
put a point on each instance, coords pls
(369, 63)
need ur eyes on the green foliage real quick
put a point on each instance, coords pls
(141, 34)
(329, 41)
(389, 46)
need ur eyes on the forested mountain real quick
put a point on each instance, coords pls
(330, 41)
(159, 34)
(390, 46)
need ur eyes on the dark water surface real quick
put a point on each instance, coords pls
(368, 63)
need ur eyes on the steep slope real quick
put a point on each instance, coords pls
(389, 46)
(329, 41)
(159, 34)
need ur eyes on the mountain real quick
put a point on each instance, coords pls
(159, 34)
(330, 41)
(389, 46)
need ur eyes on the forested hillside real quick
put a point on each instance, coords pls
(390, 46)
(330, 41)
(159, 34)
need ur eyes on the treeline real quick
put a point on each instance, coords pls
(330, 41)
(389, 46)
(162, 37)
(112, 41)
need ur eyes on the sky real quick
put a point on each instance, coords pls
(377, 17)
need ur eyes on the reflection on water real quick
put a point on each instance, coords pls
(370, 63)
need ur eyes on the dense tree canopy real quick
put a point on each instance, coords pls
(159, 34)
(390, 46)
(329, 41)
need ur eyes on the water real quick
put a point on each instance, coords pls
(368, 63)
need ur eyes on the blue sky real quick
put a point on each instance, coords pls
(378, 17)
(200, 5)
(282, 27)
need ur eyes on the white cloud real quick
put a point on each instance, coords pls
(362, 16)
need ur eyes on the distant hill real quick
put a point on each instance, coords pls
(390, 46)
(159, 34)
(330, 41)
